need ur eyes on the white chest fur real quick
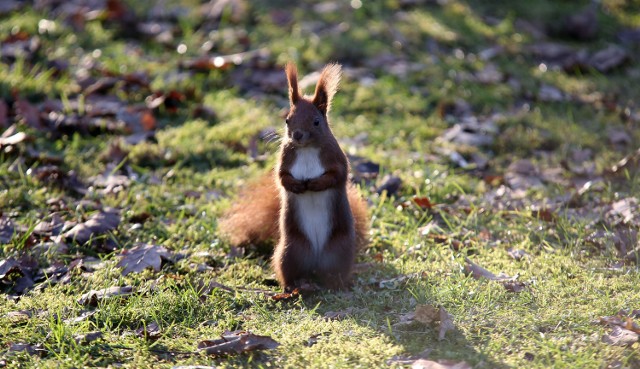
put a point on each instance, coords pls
(312, 208)
(307, 164)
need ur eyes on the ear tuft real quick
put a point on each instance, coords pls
(292, 77)
(327, 87)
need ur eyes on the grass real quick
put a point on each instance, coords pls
(391, 112)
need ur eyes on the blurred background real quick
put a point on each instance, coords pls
(477, 129)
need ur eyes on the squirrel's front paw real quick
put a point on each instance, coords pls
(297, 187)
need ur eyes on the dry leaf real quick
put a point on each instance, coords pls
(390, 185)
(92, 297)
(98, 224)
(314, 338)
(237, 342)
(517, 254)
(423, 202)
(284, 296)
(29, 114)
(546, 215)
(514, 286)
(446, 323)
(19, 316)
(624, 212)
(523, 175)
(9, 266)
(623, 319)
(25, 347)
(141, 257)
(609, 58)
(86, 338)
(620, 337)
(86, 314)
(479, 272)
(426, 314)
(471, 132)
(6, 231)
(53, 175)
(149, 331)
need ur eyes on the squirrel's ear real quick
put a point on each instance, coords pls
(327, 87)
(292, 78)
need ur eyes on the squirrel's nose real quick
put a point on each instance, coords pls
(297, 135)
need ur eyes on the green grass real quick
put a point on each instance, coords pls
(391, 112)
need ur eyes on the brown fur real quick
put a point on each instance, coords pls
(252, 218)
(254, 215)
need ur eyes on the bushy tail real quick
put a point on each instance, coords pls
(360, 216)
(253, 218)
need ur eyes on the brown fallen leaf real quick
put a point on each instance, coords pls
(423, 202)
(28, 348)
(8, 267)
(622, 319)
(141, 257)
(517, 254)
(546, 215)
(430, 315)
(92, 297)
(237, 342)
(630, 162)
(619, 137)
(624, 211)
(470, 132)
(390, 185)
(149, 331)
(620, 337)
(98, 224)
(523, 175)
(52, 175)
(87, 338)
(426, 314)
(6, 231)
(284, 296)
(49, 226)
(85, 315)
(514, 286)
(446, 323)
(363, 170)
(314, 338)
(29, 114)
(440, 364)
(478, 272)
(609, 58)
(19, 316)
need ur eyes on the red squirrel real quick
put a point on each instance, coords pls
(318, 218)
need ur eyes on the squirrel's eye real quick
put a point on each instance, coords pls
(316, 122)
(286, 121)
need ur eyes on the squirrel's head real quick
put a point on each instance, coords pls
(306, 123)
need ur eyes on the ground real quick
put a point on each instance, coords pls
(496, 144)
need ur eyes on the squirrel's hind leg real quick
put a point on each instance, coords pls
(292, 260)
(336, 263)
